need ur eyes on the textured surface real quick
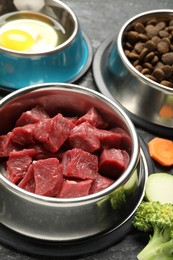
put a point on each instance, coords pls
(99, 19)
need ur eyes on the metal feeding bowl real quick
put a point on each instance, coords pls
(42, 39)
(72, 219)
(145, 93)
(135, 68)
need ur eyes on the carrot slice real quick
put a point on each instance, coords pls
(161, 150)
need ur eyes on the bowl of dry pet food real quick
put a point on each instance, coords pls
(71, 165)
(141, 62)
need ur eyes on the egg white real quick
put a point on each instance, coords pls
(45, 37)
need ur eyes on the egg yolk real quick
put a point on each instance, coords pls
(17, 40)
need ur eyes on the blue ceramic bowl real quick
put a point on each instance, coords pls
(64, 63)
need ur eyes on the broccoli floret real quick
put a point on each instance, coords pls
(156, 219)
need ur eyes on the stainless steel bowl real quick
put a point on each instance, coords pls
(141, 96)
(70, 219)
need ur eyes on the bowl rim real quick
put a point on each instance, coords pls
(126, 61)
(135, 155)
(56, 49)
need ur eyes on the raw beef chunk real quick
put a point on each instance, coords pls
(48, 177)
(23, 135)
(18, 163)
(85, 137)
(94, 118)
(32, 116)
(113, 162)
(126, 142)
(64, 157)
(79, 164)
(41, 152)
(42, 130)
(28, 182)
(109, 139)
(6, 145)
(53, 132)
(74, 189)
(100, 183)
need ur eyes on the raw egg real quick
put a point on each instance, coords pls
(16, 40)
(28, 35)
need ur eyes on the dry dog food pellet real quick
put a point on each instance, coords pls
(149, 47)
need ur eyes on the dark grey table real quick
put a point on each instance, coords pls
(99, 19)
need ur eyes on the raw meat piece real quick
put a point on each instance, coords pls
(32, 116)
(53, 132)
(28, 182)
(79, 164)
(94, 118)
(100, 183)
(126, 142)
(35, 148)
(6, 146)
(85, 137)
(48, 177)
(113, 162)
(18, 163)
(74, 189)
(109, 139)
(23, 135)
(41, 152)
(59, 132)
(42, 130)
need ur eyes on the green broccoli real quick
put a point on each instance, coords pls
(156, 219)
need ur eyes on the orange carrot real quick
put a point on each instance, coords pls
(161, 150)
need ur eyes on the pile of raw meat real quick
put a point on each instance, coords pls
(64, 157)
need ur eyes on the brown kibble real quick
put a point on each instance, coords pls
(166, 39)
(168, 70)
(132, 36)
(167, 83)
(154, 60)
(151, 31)
(133, 56)
(148, 66)
(160, 26)
(143, 54)
(163, 33)
(152, 21)
(159, 64)
(171, 22)
(139, 68)
(150, 45)
(145, 71)
(149, 56)
(143, 37)
(127, 53)
(156, 39)
(169, 28)
(159, 74)
(167, 58)
(139, 47)
(139, 27)
(162, 47)
(151, 77)
(135, 63)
